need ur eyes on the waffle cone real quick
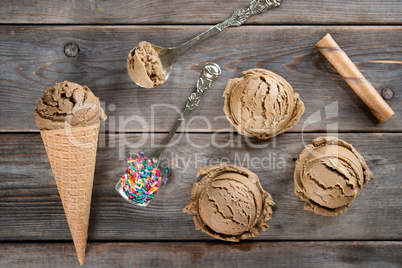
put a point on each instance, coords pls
(72, 156)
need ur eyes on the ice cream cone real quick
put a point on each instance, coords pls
(72, 155)
(68, 117)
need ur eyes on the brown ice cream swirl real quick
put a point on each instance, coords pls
(144, 66)
(68, 104)
(229, 203)
(261, 104)
(329, 174)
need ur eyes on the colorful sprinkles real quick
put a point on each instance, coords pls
(142, 180)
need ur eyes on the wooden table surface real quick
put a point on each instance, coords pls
(33, 226)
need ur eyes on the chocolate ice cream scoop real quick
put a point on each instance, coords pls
(261, 104)
(229, 203)
(144, 66)
(145, 71)
(329, 174)
(70, 103)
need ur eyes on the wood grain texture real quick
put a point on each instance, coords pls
(32, 59)
(197, 12)
(201, 254)
(30, 207)
(32, 37)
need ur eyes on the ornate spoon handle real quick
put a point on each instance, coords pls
(238, 17)
(210, 73)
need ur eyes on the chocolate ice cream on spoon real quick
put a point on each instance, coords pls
(149, 65)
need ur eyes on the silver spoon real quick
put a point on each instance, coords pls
(239, 16)
(210, 73)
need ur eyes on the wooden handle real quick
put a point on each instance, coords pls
(348, 70)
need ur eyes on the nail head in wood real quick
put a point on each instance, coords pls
(71, 49)
(387, 93)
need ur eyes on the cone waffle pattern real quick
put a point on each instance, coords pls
(72, 156)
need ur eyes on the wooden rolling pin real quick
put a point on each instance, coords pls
(361, 86)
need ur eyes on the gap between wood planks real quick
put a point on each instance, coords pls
(249, 241)
(191, 25)
(5, 132)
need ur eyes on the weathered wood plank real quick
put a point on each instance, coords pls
(197, 12)
(201, 254)
(30, 208)
(32, 59)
